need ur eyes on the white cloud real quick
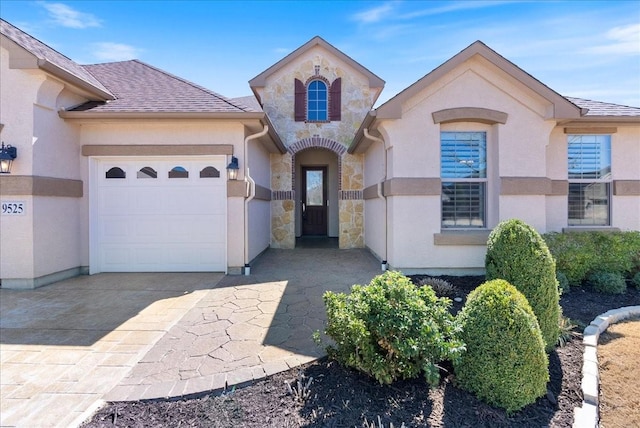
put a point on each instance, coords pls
(107, 51)
(68, 17)
(282, 51)
(374, 15)
(453, 7)
(624, 41)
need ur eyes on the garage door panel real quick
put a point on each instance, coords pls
(113, 201)
(146, 200)
(114, 229)
(176, 258)
(161, 224)
(148, 229)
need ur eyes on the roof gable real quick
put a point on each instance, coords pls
(260, 80)
(562, 107)
(52, 61)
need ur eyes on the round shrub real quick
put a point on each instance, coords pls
(391, 329)
(519, 255)
(636, 280)
(505, 363)
(608, 282)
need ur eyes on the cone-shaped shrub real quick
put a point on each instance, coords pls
(519, 255)
(505, 363)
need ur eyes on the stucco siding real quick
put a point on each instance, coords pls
(375, 227)
(18, 94)
(259, 210)
(625, 153)
(16, 248)
(56, 235)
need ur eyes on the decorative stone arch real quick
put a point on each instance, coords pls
(317, 142)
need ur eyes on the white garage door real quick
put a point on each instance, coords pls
(160, 215)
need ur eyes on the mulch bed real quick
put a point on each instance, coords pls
(341, 397)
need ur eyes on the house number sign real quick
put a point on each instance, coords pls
(13, 207)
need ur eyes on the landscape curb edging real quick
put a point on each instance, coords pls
(587, 415)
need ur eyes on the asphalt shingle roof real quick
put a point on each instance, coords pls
(142, 88)
(44, 52)
(599, 108)
(249, 101)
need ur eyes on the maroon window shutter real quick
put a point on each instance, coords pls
(299, 110)
(335, 95)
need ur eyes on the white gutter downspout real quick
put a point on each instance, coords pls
(383, 264)
(251, 194)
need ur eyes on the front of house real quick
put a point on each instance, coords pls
(122, 167)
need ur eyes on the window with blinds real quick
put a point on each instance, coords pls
(589, 173)
(463, 169)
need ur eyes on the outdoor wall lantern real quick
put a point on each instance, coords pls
(7, 155)
(232, 168)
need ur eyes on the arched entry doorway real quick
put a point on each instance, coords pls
(316, 180)
(316, 185)
(344, 200)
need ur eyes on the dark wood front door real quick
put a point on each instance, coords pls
(314, 200)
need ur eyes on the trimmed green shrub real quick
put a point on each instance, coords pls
(636, 280)
(505, 363)
(519, 255)
(563, 282)
(608, 282)
(391, 329)
(579, 254)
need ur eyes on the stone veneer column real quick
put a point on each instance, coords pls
(282, 202)
(351, 202)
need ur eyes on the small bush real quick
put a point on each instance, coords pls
(391, 329)
(505, 363)
(563, 282)
(579, 254)
(441, 287)
(567, 332)
(608, 282)
(636, 280)
(519, 255)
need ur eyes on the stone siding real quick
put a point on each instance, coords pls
(357, 99)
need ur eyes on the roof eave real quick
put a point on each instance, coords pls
(261, 79)
(244, 116)
(277, 141)
(356, 144)
(73, 79)
(608, 120)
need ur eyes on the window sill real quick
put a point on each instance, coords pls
(462, 237)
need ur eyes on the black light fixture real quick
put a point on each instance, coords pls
(232, 168)
(7, 155)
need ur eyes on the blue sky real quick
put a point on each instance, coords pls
(586, 49)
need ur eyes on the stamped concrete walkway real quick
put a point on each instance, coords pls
(66, 347)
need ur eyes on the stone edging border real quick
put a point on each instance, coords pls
(587, 415)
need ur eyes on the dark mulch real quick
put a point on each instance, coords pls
(343, 398)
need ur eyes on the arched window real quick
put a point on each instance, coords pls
(178, 172)
(317, 98)
(209, 172)
(147, 172)
(115, 172)
(318, 101)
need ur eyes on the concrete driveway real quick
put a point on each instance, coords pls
(67, 347)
